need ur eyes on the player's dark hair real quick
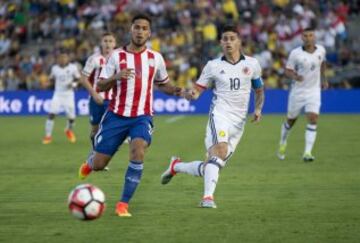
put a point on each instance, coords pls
(311, 28)
(229, 28)
(141, 16)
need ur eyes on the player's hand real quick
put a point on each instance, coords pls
(257, 117)
(189, 94)
(325, 85)
(98, 99)
(125, 73)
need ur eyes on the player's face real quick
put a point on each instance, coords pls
(108, 43)
(230, 42)
(308, 38)
(140, 32)
(63, 59)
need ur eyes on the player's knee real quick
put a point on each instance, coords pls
(137, 149)
(291, 122)
(220, 150)
(215, 160)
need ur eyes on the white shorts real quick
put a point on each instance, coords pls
(297, 103)
(63, 102)
(220, 129)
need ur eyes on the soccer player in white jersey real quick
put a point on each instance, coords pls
(65, 76)
(99, 101)
(306, 68)
(131, 72)
(231, 78)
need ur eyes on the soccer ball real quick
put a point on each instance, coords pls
(86, 202)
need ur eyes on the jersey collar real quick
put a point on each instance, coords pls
(303, 48)
(242, 57)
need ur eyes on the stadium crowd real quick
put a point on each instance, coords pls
(185, 32)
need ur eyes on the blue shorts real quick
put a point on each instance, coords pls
(114, 129)
(97, 111)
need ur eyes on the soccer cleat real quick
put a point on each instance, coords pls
(122, 209)
(281, 152)
(207, 202)
(70, 136)
(169, 172)
(84, 171)
(47, 140)
(308, 157)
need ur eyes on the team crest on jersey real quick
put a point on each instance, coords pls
(151, 62)
(222, 134)
(246, 70)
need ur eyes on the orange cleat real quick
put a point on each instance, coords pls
(122, 209)
(84, 171)
(47, 140)
(70, 136)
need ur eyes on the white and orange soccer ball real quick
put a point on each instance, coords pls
(86, 202)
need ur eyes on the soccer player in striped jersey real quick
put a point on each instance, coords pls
(99, 101)
(65, 76)
(231, 77)
(131, 72)
(306, 68)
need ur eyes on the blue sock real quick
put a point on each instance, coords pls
(132, 179)
(90, 159)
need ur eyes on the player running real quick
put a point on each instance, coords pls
(306, 68)
(99, 101)
(65, 75)
(131, 72)
(231, 78)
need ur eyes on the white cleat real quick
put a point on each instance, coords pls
(207, 202)
(169, 172)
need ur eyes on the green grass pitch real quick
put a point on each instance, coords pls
(260, 199)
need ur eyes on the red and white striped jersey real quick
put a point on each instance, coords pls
(133, 97)
(92, 70)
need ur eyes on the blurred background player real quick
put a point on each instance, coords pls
(231, 78)
(65, 75)
(306, 68)
(132, 73)
(99, 101)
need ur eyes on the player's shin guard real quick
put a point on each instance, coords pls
(49, 125)
(211, 175)
(310, 137)
(285, 129)
(132, 179)
(194, 168)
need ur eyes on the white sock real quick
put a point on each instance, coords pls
(194, 168)
(310, 137)
(285, 129)
(49, 125)
(70, 124)
(211, 175)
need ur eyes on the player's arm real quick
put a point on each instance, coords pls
(291, 74)
(106, 84)
(324, 82)
(170, 89)
(258, 85)
(259, 103)
(290, 69)
(84, 81)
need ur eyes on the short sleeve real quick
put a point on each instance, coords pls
(206, 77)
(89, 67)
(291, 62)
(52, 72)
(109, 69)
(76, 72)
(161, 76)
(256, 81)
